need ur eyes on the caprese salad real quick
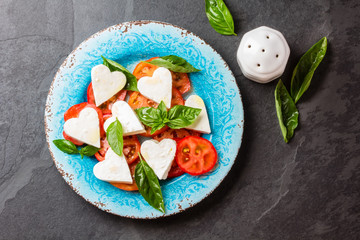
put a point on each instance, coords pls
(109, 123)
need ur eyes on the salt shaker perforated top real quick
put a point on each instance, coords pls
(263, 54)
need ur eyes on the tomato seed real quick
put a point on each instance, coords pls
(186, 150)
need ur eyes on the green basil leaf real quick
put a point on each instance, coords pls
(148, 185)
(286, 111)
(114, 135)
(181, 116)
(306, 67)
(66, 146)
(157, 127)
(149, 116)
(219, 17)
(174, 63)
(131, 81)
(88, 151)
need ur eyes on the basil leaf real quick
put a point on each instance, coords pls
(157, 127)
(114, 135)
(149, 116)
(219, 17)
(181, 116)
(286, 111)
(148, 185)
(88, 151)
(174, 63)
(66, 146)
(131, 81)
(306, 67)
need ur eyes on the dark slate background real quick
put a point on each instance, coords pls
(307, 189)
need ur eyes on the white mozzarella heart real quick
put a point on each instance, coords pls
(113, 169)
(85, 128)
(263, 54)
(127, 117)
(105, 83)
(158, 87)
(159, 155)
(201, 123)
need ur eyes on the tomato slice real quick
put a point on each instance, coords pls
(144, 69)
(136, 100)
(106, 106)
(176, 134)
(130, 150)
(73, 112)
(195, 155)
(129, 187)
(175, 170)
(180, 81)
(176, 98)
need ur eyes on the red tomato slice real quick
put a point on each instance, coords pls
(130, 150)
(136, 100)
(144, 69)
(176, 98)
(106, 106)
(129, 187)
(180, 81)
(73, 112)
(175, 170)
(176, 134)
(195, 155)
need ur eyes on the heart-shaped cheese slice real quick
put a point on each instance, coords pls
(113, 169)
(158, 87)
(130, 122)
(105, 83)
(159, 155)
(85, 128)
(201, 124)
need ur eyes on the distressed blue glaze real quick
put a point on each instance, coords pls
(129, 43)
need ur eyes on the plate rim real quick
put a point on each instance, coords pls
(48, 107)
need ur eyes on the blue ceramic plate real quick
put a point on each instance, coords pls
(129, 43)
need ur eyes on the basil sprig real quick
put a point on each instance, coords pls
(131, 81)
(219, 17)
(114, 135)
(174, 63)
(286, 111)
(88, 151)
(148, 185)
(306, 67)
(177, 117)
(68, 147)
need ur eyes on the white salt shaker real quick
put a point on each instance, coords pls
(263, 54)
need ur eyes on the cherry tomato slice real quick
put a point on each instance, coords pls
(195, 155)
(176, 134)
(73, 112)
(130, 150)
(106, 106)
(129, 187)
(180, 81)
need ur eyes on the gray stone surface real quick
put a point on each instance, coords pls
(307, 189)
